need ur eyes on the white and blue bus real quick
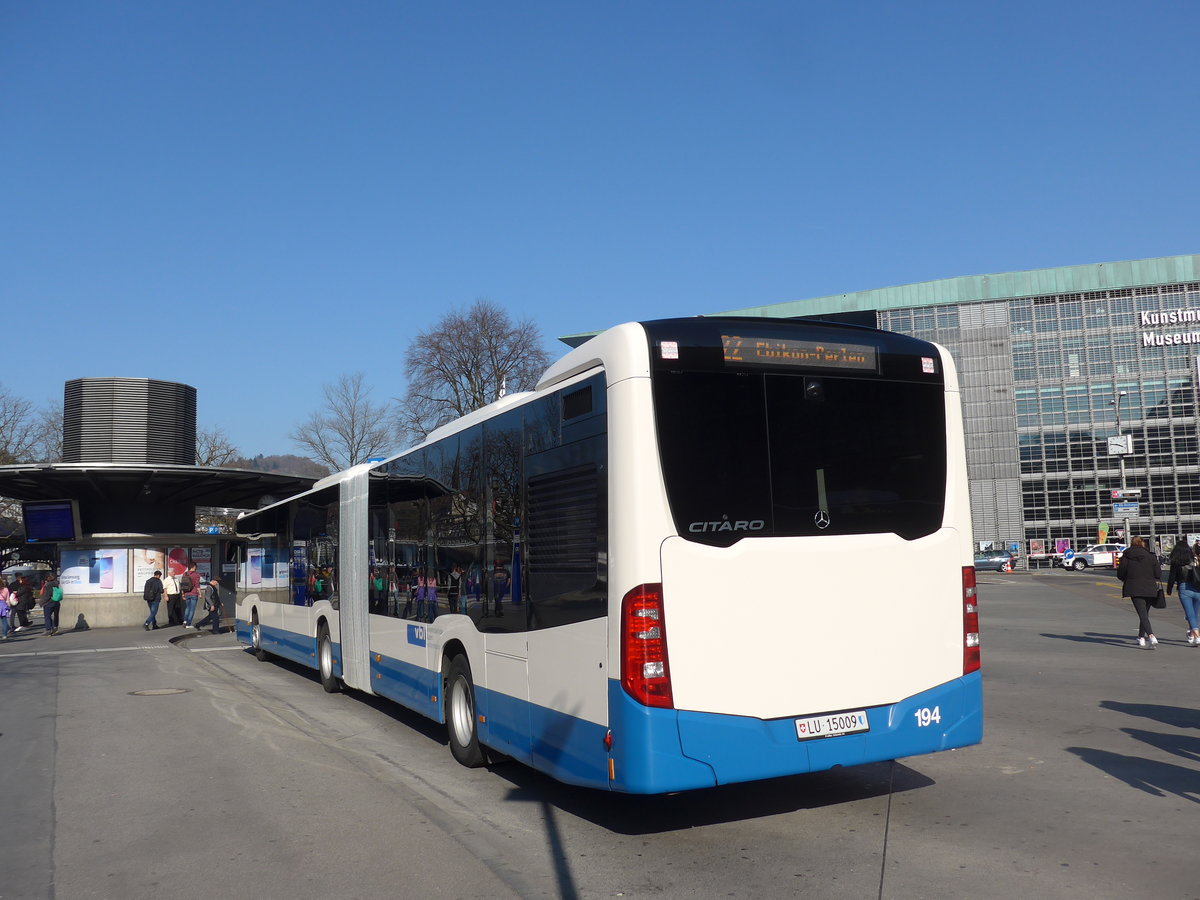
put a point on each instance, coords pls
(701, 551)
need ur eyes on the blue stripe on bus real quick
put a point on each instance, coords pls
(409, 685)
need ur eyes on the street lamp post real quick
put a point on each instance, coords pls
(1116, 402)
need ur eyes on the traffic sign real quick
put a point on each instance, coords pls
(1120, 493)
(1125, 509)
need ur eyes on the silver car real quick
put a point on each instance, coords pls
(1104, 555)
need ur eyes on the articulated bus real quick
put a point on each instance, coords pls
(701, 551)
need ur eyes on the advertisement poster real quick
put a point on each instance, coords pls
(145, 563)
(94, 571)
(202, 557)
(1037, 549)
(177, 560)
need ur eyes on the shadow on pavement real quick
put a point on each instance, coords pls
(1093, 637)
(1175, 716)
(1180, 745)
(1156, 778)
(638, 815)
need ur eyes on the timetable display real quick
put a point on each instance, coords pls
(750, 350)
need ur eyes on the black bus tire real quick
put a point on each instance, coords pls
(329, 681)
(461, 721)
(256, 638)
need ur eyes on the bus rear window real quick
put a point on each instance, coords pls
(748, 454)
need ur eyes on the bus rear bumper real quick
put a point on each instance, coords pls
(746, 749)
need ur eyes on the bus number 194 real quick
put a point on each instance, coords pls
(926, 716)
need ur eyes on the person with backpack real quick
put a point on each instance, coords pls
(51, 603)
(1184, 573)
(189, 584)
(152, 593)
(212, 603)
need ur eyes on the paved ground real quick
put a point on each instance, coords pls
(256, 781)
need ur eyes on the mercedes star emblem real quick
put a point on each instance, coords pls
(822, 519)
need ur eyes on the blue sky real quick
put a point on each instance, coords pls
(257, 197)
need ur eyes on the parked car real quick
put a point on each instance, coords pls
(994, 560)
(1094, 555)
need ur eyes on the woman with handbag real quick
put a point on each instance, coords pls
(1140, 573)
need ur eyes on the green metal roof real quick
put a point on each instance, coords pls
(1002, 286)
(976, 288)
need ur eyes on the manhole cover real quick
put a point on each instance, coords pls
(158, 692)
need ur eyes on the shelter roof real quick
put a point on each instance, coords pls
(167, 484)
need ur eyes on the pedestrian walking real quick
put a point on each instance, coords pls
(1184, 574)
(24, 592)
(174, 599)
(152, 593)
(5, 609)
(212, 603)
(51, 603)
(189, 584)
(1140, 574)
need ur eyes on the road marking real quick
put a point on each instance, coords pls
(215, 649)
(28, 653)
(90, 650)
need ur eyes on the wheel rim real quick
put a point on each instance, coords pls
(326, 658)
(461, 715)
(256, 635)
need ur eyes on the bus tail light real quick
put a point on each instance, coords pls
(970, 621)
(645, 674)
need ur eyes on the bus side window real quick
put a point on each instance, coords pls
(566, 494)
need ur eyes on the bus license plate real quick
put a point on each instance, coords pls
(831, 725)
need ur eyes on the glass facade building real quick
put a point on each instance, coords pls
(1069, 376)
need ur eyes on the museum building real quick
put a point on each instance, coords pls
(1079, 394)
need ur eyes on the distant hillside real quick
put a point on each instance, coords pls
(282, 464)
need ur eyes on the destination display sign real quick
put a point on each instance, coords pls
(754, 350)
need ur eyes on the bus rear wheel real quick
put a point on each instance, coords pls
(256, 638)
(461, 722)
(329, 681)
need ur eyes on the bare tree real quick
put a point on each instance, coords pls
(26, 435)
(466, 361)
(18, 428)
(214, 448)
(348, 429)
(48, 433)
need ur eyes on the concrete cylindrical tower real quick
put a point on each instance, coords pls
(130, 421)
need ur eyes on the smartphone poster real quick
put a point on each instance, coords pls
(100, 571)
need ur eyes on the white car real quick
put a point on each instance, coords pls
(1103, 555)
